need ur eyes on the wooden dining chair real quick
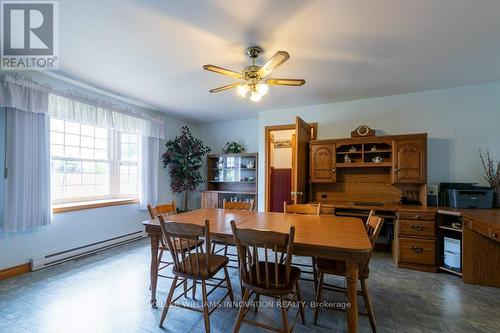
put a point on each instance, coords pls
(165, 210)
(238, 205)
(335, 267)
(235, 205)
(192, 264)
(304, 209)
(266, 275)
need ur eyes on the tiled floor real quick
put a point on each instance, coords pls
(108, 292)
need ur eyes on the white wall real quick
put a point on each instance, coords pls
(83, 227)
(459, 121)
(281, 158)
(243, 131)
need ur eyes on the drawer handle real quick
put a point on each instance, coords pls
(494, 235)
(417, 216)
(417, 227)
(417, 249)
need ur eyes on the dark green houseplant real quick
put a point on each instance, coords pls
(184, 159)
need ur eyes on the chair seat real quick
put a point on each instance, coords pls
(283, 288)
(336, 267)
(192, 245)
(195, 272)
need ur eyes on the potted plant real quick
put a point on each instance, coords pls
(184, 159)
(233, 148)
(492, 174)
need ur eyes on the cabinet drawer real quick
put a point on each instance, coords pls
(417, 216)
(417, 251)
(417, 228)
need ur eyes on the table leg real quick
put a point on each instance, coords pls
(155, 242)
(352, 284)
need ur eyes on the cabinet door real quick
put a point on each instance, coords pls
(409, 162)
(209, 200)
(323, 163)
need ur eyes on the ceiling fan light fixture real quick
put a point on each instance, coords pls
(243, 90)
(255, 81)
(262, 88)
(255, 97)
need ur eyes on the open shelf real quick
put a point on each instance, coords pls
(364, 165)
(233, 192)
(378, 151)
(233, 168)
(449, 270)
(363, 155)
(229, 178)
(230, 181)
(445, 227)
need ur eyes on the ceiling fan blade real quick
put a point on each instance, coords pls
(229, 86)
(285, 82)
(276, 60)
(223, 71)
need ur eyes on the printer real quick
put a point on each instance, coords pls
(466, 195)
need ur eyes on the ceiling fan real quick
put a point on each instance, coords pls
(255, 78)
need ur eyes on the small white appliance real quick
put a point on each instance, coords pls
(452, 253)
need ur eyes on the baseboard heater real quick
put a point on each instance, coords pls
(81, 251)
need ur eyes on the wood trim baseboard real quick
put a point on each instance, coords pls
(91, 205)
(15, 271)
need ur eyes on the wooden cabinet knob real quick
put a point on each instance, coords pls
(333, 170)
(494, 235)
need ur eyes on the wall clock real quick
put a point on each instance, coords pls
(361, 131)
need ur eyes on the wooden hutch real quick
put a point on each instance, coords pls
(351, 176)
(379, 169)
(232, 177)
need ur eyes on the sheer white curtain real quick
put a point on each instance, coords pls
(98, 113)
(27, 158)
(27, 191)
(149, 167)
(23, 94)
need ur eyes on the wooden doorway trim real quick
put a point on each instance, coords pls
(267, 133)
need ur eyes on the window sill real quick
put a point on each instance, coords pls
(74, 206)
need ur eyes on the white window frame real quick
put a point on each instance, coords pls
(114, 161)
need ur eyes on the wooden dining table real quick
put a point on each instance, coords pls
(324, 236)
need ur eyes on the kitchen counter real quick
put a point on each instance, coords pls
(395, 207)
(487, 216)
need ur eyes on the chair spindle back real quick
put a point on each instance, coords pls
(164, 209)
(238, 205)
(180, 238)
(373, 226)
(248, 242)
(306, 209)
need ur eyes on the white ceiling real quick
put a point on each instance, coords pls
(153, 50)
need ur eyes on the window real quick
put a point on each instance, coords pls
(92, 163)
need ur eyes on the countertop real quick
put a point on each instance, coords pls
(489, 217)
